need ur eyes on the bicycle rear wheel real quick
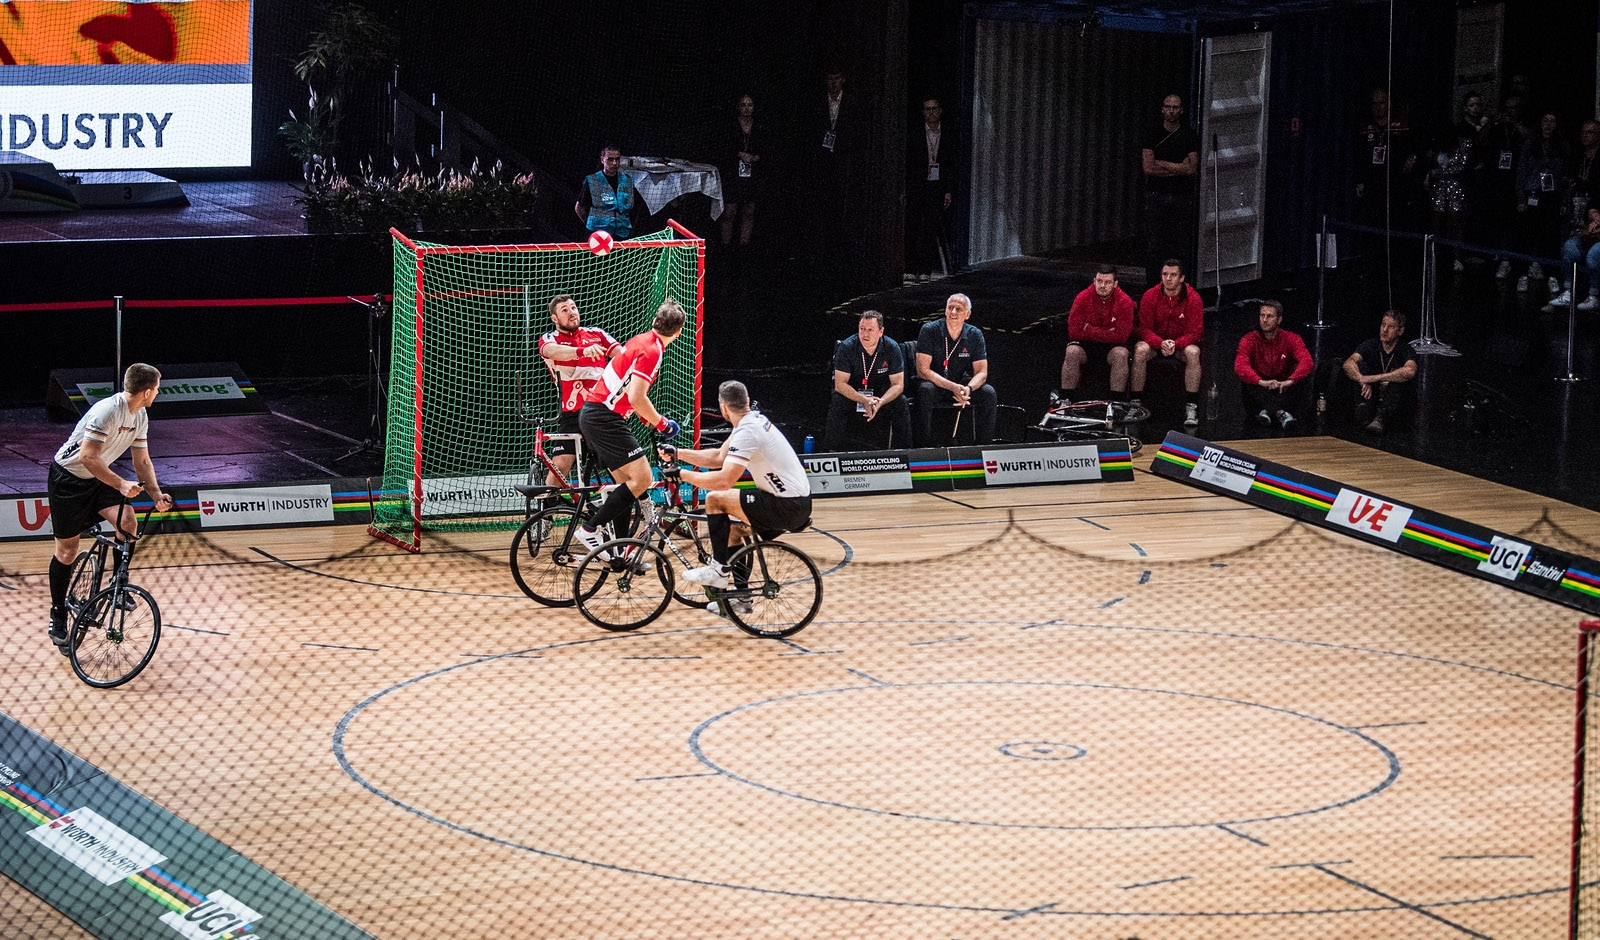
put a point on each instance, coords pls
(685, 548)
(84, 579)
(544, 555)
(784, 589)
(627, 590)
(112, 641)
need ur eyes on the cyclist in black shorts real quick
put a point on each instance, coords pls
(84, 489)
(781, 500)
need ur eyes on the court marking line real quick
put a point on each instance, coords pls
(1391, 724)
(1086, 519)
(1113, 515)
(1041, 909)
(675, 777)
(1459, 858)
(948, 639)
(375, 584)
(174, 626)
(1406, 905)
(1163, 881)
(1145, 577)
(872, 679)
(341, 728)
(1247, 838)
(643, 658)
(1141, 551)
(1114, 600)
(335, 646)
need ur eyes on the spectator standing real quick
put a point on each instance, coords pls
(930, 193)
(1540, 178)
(739, 169)
(606, 198)
(1170, 160)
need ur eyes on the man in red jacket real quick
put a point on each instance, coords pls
(1273, 366)
(1097, 328)
(1169, 328)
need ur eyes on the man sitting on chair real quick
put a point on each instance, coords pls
(869, 380)
(780, 502)
(953, 371)
(1097, 331)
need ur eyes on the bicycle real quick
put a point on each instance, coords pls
(1094, 421)
(627, 583)
(115, 627)
(542, 550)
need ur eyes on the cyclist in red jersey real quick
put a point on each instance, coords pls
(575, 355)
(623, 389)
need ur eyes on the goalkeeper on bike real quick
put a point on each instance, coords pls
(622, 390)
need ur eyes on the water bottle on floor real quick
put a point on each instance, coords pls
(1213, 404)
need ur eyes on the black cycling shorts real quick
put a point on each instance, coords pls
(606, 435)
(771, 516)
(75, 503)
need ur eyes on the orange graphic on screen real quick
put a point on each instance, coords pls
(93, 32)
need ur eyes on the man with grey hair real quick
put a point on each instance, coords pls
(953, 371)
(780, 502)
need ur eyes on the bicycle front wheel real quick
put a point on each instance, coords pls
(114, 636)
(544, 555)
(777, 589)
(84, 579)
(626, 590)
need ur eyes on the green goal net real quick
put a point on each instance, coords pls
(467, 320)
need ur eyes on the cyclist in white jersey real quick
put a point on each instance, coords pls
(781, 500)
(83, 486)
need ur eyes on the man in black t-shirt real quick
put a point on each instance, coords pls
(953, 371)
(869, 384)
(1382, 370)
(1171, 161)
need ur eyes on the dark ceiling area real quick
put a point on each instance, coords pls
(1177, 16)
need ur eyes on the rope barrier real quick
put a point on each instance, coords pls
(174, 304)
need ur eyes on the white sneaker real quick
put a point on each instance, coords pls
(1593, 303)
(1561, 299)
(590, 540)
(1502, 272)
(1191, 416)
(1522, 284)
(741, 605)
(710, 575)
(1536, 271)
(1554, 286)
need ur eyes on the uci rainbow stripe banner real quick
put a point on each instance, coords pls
(1567, 579)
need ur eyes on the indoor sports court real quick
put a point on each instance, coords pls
(1102, 710)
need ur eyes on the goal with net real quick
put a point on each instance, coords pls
(464, 356)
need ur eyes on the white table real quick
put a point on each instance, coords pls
(659, 180)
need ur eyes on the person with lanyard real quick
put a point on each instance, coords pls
(869, 379)
(623, 389)
(779, 503)
(1098, 326)
(1170, 161)
(953, 371)
(930, 194)
(605, 200)
(739, 176)
(575, 355)
(83, 488)
(1382, 370)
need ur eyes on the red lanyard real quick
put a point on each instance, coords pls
(866, 366)
(948, 350)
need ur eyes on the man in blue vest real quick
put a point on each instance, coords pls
(605, 200)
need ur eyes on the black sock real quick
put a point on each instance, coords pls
(718, 527)
(59, 575)
(1191, 398)
(616, 506)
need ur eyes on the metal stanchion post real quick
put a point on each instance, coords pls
(1428, 343)
(1325, 260)
(116, 378)
(1572, 317)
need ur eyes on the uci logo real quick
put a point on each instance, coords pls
(1504, 559)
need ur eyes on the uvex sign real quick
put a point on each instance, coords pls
(1369, 515)
(20, 518)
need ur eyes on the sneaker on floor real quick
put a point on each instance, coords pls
(709, 575)
(1592, 303)
(590, 540)
(1554, 286)
(1536, 271)
(1285, 420)
(1561, 299)
(1264, 419)
(1502, 272)
(58, 628)
(1522, 284)
(1191, 415)
(1376, 425)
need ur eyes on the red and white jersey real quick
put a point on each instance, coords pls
(575, 377)
(640, 359)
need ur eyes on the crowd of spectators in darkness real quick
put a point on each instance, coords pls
(1508, 176)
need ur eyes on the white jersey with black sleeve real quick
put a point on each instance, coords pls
(113, 425)
(766, 453)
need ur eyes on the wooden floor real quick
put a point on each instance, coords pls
(1095, 711)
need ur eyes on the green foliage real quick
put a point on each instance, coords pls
(351, 44)
(411, 200)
